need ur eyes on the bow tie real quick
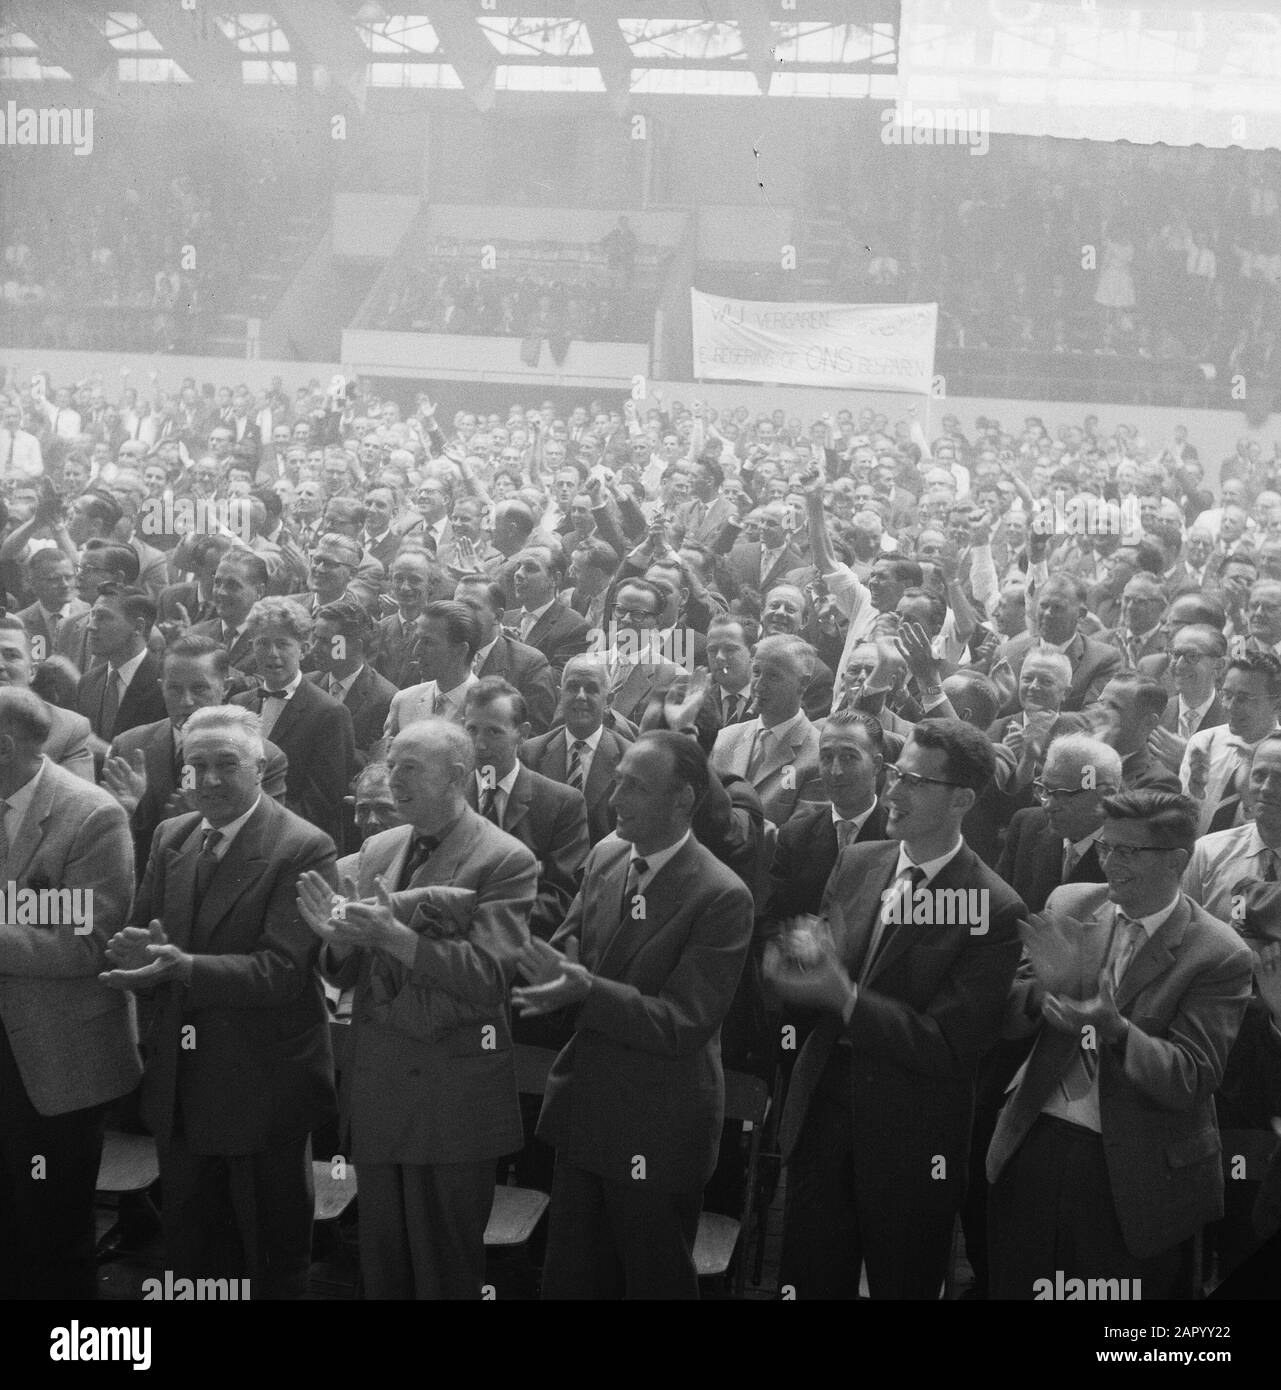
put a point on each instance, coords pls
(274, 694)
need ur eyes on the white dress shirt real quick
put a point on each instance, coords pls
(1220, 861)
(228, 831)
(1223, 748)
(502, 791)
(656, 861)
(585, 756)
(273, 709)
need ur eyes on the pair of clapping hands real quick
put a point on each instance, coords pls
(1052, 941)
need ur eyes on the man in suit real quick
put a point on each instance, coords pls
(217, 933)
(468, 550)
(1060, 606)
(542, 620)
(101, 562)
(68, 743)
(144, 768)
(67, 1045)
(500, 655)
(124, 691)
(1107, 1156)
(851, 753)
(877, 1123)
(649, 957)
(777, 751)
(240, 580)
(638, 669)
(412, 578)
(729, 659)
(52, 579)
(1141, 632)
(1131, 706)
(342, 637)
(311, 728)
(759, 565)
(547, 816)
(429, 1092)
(1198, 658)
(448, 640)
(580, 751)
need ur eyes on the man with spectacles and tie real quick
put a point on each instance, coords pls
(1198, 656)
(877, 1124)
(1107, 1157)
(647, 962)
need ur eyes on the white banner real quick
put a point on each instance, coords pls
(875, 347)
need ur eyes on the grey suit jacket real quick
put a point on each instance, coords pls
(789, 774)
(68, 742)
(74, 1039)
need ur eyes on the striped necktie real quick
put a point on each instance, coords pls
(574, 774)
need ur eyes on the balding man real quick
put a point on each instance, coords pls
(1140, 633)
(429, 1092)
(216, 933)
(67, 1045)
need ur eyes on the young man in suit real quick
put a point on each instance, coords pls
(429, 1095)
(67, 1045)
(312, 729)
(729, 659)
(542, 620)
(216, 931)
(761, 564)
(649, 957)
(69, 732)
(448, 640)
(51, 576)
(144, 767)
(580, 751)
(547, 816)
(500, 655)
(777, 751)
(1132, 706)
(1106, 1156)
(341, 638)
(877, 1123)
(124, 691)
(101, 562)
(240, 580)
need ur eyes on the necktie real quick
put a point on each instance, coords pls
(844, 833)
(110, 704)
(760, 751)
(207, 861)
(527, 621)
(732, 707)
(636, 870)
(55, 620)
(1070, 859)
(489, 806)
(422, 847)
(1225, 813)
(1129, 937)
(439, 705)
(1185, 724)
(574, 775)
(1079, 1077)
(905, 885)
(1270, 866)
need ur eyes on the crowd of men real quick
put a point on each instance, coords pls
(670, 740)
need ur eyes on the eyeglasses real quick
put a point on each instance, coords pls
(913, 780)
(1124, 854)
(1044, 792)
(1190, 657)
(636, 615)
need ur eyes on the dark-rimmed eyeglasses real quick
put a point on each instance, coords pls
(913, 780)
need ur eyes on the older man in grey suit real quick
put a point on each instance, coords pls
(67, 1044)
(429, 1089)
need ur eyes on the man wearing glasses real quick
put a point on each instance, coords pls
(877, 1122)
(1107, 1157)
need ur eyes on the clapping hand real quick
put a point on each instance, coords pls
(144, 958)
(126, 779)
(914, 645)
(176, 627)
(556, 980)
(684, 699)
(1052, 941)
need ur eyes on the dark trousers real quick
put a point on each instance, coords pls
(48, 1172)
(1052, 1209)
(608, 1240)
(240, 1216)
(831, 1228)
(422, 1228)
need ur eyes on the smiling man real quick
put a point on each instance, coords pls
(124, 690)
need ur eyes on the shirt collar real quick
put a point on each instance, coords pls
(932, 867)
(658, 859)
(591, 740)
(785, 729)
(536, 613)
(857, 821)
(458, 693)
(21, 799)
(482, 653)
(346, 683)
(128, 669)
(291, 689)
(504, 784)
(1196, 711)
(1154, 920)
(230, 830)
(1079, 847)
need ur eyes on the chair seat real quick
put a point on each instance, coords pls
(714, 1244)
(129, 1162)
(515, 1213)
(333, 1195)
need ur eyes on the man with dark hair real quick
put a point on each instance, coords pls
(241, 579)
(101, 562)
(653, 948)
(878, 1115)
(1107, 1157)
(413, 579)
(341, 638)
(124, 691)
(729, 659)
(51, 577)
(543, 621)
(448, 640)
(1131, 707)
(500, 655)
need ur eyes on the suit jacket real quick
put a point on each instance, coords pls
(1032, 860)
(744, 563)
(188, 595)
(787, 776)
(68, 742)
(74, 1040)
(1185, 992)
(314, 732)
(549, 755)
(164, 777)
(241, 651)
(1153, 644)
(153, 567)
(931, 1004)
(261, 1073)
(550, 819)
(395, 652)
(431, 1074)
(805, 855)
(1211, 719)
(1140, 771)
(529, 671)
(33, 620)
(638, 681)
(559, 634)
(367, 702)
(142, 703)
(73, 642)
(642, 1074)
(1093, 665)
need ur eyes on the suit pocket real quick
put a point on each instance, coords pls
(1196, 1148)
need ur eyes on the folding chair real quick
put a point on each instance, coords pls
(747, 1099)
(517, 1210)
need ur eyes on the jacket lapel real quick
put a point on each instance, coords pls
(32, 830)
(601, 776)
(292, 712)
(518, 801)
(899, 937)
(661, 898)
(604, 914)
(160, 763)
(241, 867)
(1154, 956)
(854, 923)
(180, 888)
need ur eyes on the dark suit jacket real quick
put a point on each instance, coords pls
(315, 733)
(1093, 665)
(73, 642)
(1141, 772)
(559, 634)
(642, 1074)
(1032, 860)
(142, 703)
(1153, 644)
(33, 620)
(395, 652)
(551, 821)
(262, 1072)
(1185, 992)
(1211, 719)
(241, 651)
(549, 755)
(933, 1002)
(164, 777)
(529, 671)
(367, 702)
(804, 857)
(189, 596)
(744, 563)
